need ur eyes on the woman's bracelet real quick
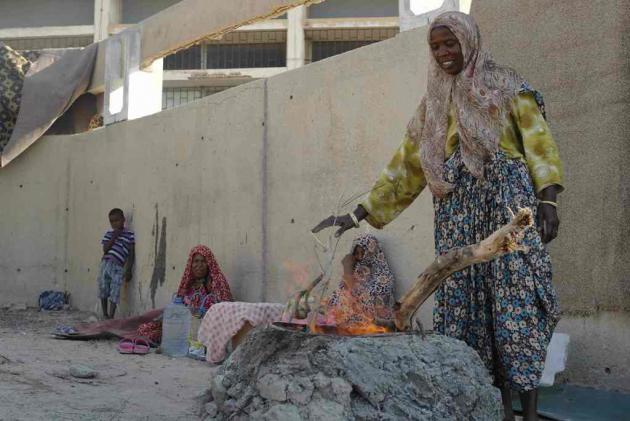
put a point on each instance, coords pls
(549, 202)
(354, 219)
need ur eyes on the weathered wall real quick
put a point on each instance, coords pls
(586, 83)
(33, 226)
(598, 351)
(193, 173)
(212, 190)
(29, 13)
(346, 117)
(133, 11)
(559, 46)
(353, 9)
(250, 170)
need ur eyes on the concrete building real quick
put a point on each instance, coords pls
(302, 36)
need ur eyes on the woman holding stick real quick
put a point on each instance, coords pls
(480, 142)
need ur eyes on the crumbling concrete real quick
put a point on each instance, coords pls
(278, 374)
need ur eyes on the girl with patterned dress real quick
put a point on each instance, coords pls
(480, 142)
(366, 293)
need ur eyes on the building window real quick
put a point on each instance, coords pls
(174, 97)
(48, 42)
(325, 49)
(190, 58)
(228, 56)
(237, 56)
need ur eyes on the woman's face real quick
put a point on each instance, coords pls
(446, 50)
(359, 253)
(348, 263)
(199, 267)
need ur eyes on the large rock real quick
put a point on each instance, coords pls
(295, 376)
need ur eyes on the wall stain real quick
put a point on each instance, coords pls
(159, 265)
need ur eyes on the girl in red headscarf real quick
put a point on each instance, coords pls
(203, 284)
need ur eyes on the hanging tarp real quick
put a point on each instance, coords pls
(46, 95)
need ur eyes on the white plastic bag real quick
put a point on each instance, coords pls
(556, 358)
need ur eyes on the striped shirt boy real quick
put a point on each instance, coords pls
(120, 249)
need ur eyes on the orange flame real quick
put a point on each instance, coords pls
(351, 317)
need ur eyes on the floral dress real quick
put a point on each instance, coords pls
(505, 309)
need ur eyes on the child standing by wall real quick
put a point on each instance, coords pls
(117, 262)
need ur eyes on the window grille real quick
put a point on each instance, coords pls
(325, 49)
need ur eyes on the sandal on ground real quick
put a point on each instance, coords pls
(141, 346)
(126, 346)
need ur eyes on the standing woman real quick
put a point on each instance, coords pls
(480, 141)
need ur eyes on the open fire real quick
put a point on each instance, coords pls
(352, 317)
(351, 330)
(284, 373)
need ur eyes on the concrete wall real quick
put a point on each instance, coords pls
(33, 13)
(586, 84)
(211, 190)
(558, 47)
(250, 170)
(353, 9)
(181, 172)
(338, 146)
(136, 10)
(34, 225)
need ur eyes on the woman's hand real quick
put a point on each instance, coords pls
(345, 222)
(548, 222)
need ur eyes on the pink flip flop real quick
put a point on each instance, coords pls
(126, 346)
(141, 346)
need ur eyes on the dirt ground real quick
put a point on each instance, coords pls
(35, 383)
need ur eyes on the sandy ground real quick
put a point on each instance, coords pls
(35, 383)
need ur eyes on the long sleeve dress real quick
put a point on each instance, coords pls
(505, 309)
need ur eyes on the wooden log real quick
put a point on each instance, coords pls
(503, 241)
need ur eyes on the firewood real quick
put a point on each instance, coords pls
(503, 241)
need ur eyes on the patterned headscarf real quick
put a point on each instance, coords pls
(13, 69)
(481, 95)
(374, 288)
(217, 286)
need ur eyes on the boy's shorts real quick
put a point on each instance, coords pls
(110, 280)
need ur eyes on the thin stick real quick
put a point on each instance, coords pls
(327, 268)
(356, 196)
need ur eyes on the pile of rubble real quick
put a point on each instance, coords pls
(279, 374)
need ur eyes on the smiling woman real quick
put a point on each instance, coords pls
(480, 142)
(446, 50)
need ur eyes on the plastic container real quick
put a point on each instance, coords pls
(175, 329)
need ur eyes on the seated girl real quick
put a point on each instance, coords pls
(366, 294)
(367, 288)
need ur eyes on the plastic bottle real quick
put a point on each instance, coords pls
(175, 328)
